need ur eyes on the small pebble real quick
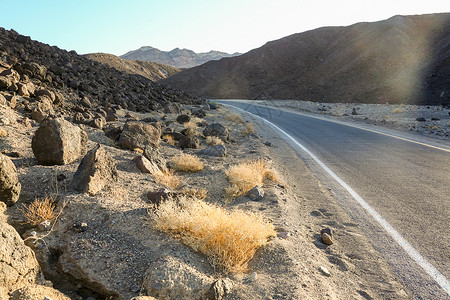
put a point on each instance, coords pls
(251, 278)
(324, 271)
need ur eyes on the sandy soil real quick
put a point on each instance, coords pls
(110, 258)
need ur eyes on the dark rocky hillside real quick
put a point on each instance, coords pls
(404, 59)
(151, 70)
(180, 58)
(72, 82)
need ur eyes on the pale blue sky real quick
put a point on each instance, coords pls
(114, 26)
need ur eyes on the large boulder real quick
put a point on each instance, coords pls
(217, 130)
(9, 182)
(58, 142)
(18, 264)
(96, 170)
(138, 135)
(217, 150)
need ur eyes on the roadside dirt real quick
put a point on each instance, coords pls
(109, 257)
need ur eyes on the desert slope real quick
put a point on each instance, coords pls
(399, 60)
(150, 70)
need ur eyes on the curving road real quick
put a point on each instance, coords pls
(406, 183)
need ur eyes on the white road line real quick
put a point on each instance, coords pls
(360, 127)
(409, 249)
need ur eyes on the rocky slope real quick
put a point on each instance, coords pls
(73, 82)
(180, 58)
(400, 60)
(150, 70)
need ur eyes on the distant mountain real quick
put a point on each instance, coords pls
(180, 58)
(405, 59)
(151, 70)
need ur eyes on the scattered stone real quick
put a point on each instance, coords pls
(97, 169)
(80, 226)
(35, 292)
(324, 271)
(172, 108)
(145, 165)
(183, 119)
(316, 213)
(139, 135)
(189, 142)
(38, 115)
(268, 144)
(435, 119)
(218, 130)
(112, 116)
(158, 196)
(98, 123)
(256, 193)
(199, 113)
(9, 182)
(217, 150)
(58, 142)
(154, 155)
(251, 278)
(354, 112)
(220, 289)
(44, 225)
(213, 105)
(283, 235)
(326, 235)
(113, 132)
(421, 119)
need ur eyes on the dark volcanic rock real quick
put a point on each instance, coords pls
(139, 135)
(96, 170)
(9, 182)
(58, 142)
(217, 130)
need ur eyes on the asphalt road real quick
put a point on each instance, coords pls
(408, 184)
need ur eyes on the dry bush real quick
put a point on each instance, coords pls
(195, 193)
(3, 133)
(186, 163)
(236, 118)
(213, 140)
(246, 175)
(169, 139)
(248, 129)
(228, 238)
(397, 110)
(167, 178)
(39, 210)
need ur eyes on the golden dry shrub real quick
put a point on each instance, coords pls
(228, 238)
(168, 178)
(186, 163)
(213, 140)
(169, 139)
(195, 193)
(248, 129)
(246, 175)
(236, 118)
(39, 210)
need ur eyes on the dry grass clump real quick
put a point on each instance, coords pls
(228, 238)
(168, 178)
(236, 118)
(169, 139)
(39, 210)
(248, 129)
(3, 133)
(199, 194)
(186, 163)
(213, 140)
(244, 176)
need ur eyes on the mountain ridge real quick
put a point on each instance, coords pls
(180, 58)
(398, 60)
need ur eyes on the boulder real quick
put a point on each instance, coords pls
(218, 130)
(155, 156)
(172, 278)
(96, 170)
(189, 142)
(9, 182)
(18, 265)
(139, 135)
(256, 193)
(172, 108)
(183, 119)
(146, 166)
(217, 150)
(58, 142)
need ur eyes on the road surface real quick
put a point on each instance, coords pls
(406, 183)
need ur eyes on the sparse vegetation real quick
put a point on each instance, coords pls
(248, 129)
(213, 140)
(397, 110)
(199, 194)
(169, 139)
(237, 118)
(39, 210)
(168, 178)
(186, 163)
(246, 175)
(228, 238)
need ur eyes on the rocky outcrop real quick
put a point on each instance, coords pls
(96, 170)
(9, 182)
(139, 135)
(58, 142)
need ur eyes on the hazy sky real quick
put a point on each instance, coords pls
(116, 27)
